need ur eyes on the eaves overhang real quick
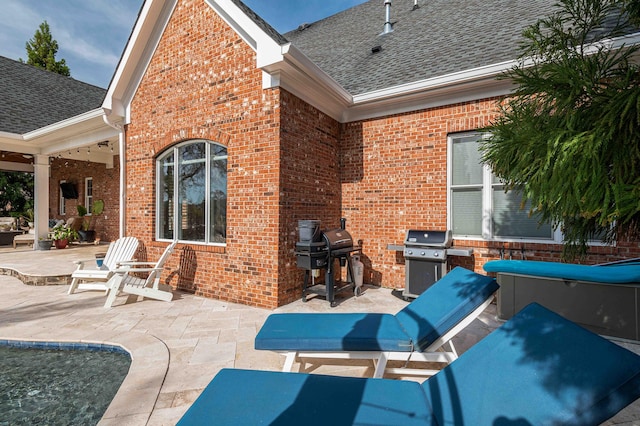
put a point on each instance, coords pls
(300, 76)
(79, 131)
(462, 86)
(297, 74)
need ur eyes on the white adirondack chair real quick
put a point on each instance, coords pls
(84, 278)
(149, 287)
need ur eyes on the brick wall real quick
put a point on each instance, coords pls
(287, 162)
(394, 178)
(309, 182)
(106, 184)
(202, 83)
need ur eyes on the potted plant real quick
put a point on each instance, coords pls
(28, 215)
(62, 235)
(44, 244)
(87, 233)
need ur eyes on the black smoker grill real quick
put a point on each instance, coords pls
(322, 251)
(425, 254)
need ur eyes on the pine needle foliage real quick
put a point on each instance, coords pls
(42, 49)
(569, 137)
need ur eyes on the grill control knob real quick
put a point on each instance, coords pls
(422, 253)
(436, 254)
(409, 252)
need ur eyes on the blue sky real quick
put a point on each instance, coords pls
(91, 34)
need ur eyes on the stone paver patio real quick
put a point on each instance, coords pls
(176, 347)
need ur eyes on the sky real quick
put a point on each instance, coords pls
(92, 34)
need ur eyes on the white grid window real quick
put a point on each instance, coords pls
(478, 205)
(88, 194)
(192, 193)
(62, 205)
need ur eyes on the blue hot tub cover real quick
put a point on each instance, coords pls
(624, 273)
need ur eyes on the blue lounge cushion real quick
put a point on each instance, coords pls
(537, 369)
(248, 397)
(444, 304)
(419, 324)
(628, 273)
(332, 332)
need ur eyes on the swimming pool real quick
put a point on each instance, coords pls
(58, 383)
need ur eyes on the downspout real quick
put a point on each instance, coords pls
(123, 189)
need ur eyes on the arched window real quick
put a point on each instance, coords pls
(192, 192)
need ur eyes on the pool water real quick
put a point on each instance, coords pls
(59, 386)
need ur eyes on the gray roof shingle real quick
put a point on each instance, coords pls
(272, 32)
(31, 98)
(440, 37)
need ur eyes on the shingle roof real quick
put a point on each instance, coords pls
(31, 98)
(272, 32)
(440, 37)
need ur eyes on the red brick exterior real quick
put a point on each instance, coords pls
(105, 186)
(202, 83)
(288, 161)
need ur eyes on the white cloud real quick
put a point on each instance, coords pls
(87, 50)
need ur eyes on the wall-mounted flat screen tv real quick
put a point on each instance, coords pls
(69, 190)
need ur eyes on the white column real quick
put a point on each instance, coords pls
(41, 171)
(123, 184)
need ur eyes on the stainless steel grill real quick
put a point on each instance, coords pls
(425, 253)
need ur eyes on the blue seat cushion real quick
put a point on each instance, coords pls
(332, 332)
(444, 304)
(243, 397)
(418, 325)
(612, 274)
(538, 368)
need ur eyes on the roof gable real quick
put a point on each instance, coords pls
(148, 30)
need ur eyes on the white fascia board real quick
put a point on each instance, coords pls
(437, 97)
(456, 78)
(7, 136)
(147, 32)
(302, 77)
(298, 60)
(613, 43)
(80, 120)
(266, 48)
(296, 73)
(463, 86)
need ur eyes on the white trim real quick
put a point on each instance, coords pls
(60, 125)
(147, 32)
(456, 78)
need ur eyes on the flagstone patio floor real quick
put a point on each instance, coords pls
(177, 347)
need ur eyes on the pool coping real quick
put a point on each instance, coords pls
(137, 396)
